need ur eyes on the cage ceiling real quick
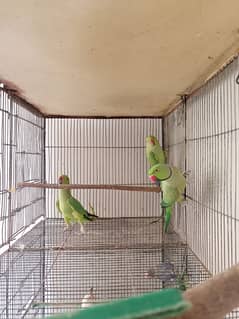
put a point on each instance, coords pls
(113, 58)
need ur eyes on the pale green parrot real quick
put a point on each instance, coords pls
(71, 208)
(154, 152)
(172, 183)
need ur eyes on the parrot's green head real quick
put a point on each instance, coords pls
(151, 140)
(161, 172)
(63, 179)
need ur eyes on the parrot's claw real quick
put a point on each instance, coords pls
(184, 203)
(78, 232)
(67, 228)
(82, 230)
(187, 173)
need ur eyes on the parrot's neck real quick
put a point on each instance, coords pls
(65, 193)
(150, 147)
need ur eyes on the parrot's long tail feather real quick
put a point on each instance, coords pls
(168, 213)
(155, 221)
(89, 217)
(92, 215)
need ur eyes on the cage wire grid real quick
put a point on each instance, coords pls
(22, 158)
(122, 253)
(204, 142)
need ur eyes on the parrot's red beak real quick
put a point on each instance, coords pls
(60, 180)
(153, 179)
(152, 141)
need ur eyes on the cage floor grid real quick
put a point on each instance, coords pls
(117, 257)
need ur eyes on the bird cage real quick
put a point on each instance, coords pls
(46, 269)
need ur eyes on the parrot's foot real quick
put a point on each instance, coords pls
(67, 228)
(82, 229)
(92, 210)
(187, 173)
(79, 233)
(184, 203)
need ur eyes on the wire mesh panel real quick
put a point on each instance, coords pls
(21, 159)
(210, 136)
(175, 146)
(213, 123)
(123, 253)
(102, 152)
(110, 262)
(49, 269)
(5, 109)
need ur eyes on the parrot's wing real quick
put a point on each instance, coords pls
(75, 204)
(152, 158)
(170, 195)
(161, 156)
(157, 158)
(77, 207)
(58, 206)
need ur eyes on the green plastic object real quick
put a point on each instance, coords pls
(161, 304)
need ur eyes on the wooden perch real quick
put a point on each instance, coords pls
(85, 186)
(214, 298)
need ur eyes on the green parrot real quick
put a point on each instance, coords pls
(71, 208)
(172, 183)
(154, 152)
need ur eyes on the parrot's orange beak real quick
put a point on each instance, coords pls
(153, 179)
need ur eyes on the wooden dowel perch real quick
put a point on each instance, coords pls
(214, 298)
(93, 186)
